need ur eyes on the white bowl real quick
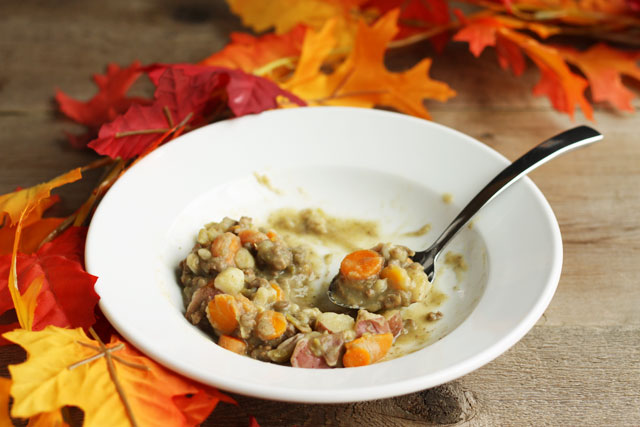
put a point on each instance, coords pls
(351, 162)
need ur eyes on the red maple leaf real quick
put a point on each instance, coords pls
(185, 96)
(180, 100)
(67, 297)
(247, 93)
(106, 105)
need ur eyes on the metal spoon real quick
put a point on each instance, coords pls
(549, 149)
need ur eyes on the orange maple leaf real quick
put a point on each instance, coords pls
(604, 66)
(564, 88)
(251, 54)
(113, 384)
(362, 79)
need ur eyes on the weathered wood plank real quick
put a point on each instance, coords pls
(554, 376)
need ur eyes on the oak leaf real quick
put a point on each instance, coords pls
(250, 53)
(110, 101)
(416, 16)
(604, 67)
(362, 79)
(564, 88)
(66, 368)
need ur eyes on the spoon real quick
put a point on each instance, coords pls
(542, 153)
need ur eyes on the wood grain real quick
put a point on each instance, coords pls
(580, 365)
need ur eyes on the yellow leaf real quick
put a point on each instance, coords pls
(13, 204)
(283, 15)
(5, 386)
(66, 368)
(362, 79)
(25, 304)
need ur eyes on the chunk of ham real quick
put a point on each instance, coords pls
(377, 324)
(303, 357)
(197, 306)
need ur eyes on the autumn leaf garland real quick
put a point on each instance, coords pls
(320, 52)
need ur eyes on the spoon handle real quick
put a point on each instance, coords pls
(542, 153)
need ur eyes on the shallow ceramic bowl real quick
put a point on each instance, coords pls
(358, 163)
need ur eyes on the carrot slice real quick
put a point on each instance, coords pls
(223, 313)
(396, 276)
(251, 236)
(279, 291)
(367, 349)
(232, 344)
(270, 325)
(226, 245)
(272, 235)
(360, 265)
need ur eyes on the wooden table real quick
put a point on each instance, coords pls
(580, 364)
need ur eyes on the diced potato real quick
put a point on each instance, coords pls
(230, 281)
(334, 322)
(244, 259)
(193, 262)
(203, 237)
(265, 296)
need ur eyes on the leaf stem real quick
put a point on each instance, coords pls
(139, 132)
(287, 61)
(114, 378)
(167, 113)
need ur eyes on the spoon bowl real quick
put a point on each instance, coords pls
(537, 156)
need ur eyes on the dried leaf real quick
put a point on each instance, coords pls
(70, 244)
(65, 367)
(13, 204)
(197, 407)
(246, 93)
(31, 238)
(179, 100)
(416, 16)
(110, 101)
(604, 66)
(66, 297)
(284, 15)
(250, 53)
(362, 79)
(564, 88)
